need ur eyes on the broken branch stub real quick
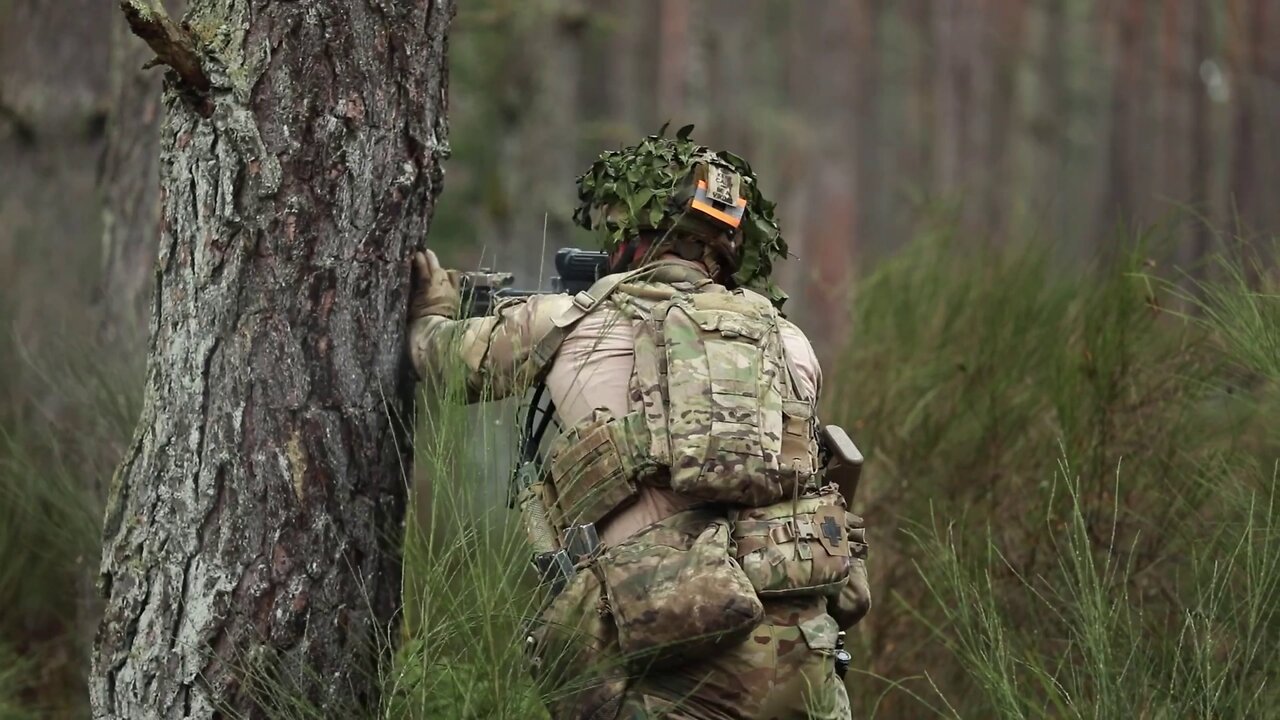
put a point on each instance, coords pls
(172, 45)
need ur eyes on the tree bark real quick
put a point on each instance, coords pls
(253, 530)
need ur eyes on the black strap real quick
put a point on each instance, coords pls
(527, 470)
(531, 439)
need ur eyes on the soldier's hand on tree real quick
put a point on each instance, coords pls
(435, 290)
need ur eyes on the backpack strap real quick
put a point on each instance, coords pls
(583, 303)
(539, 414)
(588, 300)
(793, 375)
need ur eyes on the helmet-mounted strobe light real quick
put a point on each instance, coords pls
(718, 195)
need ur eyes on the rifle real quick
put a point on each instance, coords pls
(577, 271)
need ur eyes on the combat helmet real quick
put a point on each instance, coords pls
(675, 185)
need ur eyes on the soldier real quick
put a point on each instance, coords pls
(724, 567)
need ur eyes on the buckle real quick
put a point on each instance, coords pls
(784, 533)
(805, 527)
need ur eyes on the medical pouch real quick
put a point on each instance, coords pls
(797, 546)
(853, 601)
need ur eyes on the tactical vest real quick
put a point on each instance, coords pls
(715, 409)
(716, 414)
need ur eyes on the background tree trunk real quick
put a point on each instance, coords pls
(1199, 165)
(130, 186)
(252, 534)
(1247, 26)
(1117, 203)
(51, 122)
(52, 76)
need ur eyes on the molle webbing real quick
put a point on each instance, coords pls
(797, 546)
(724, 383)
(594, 467)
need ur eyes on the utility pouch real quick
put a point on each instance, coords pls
(676, 594)
(798, 546)
(573, 645)
(799, 449)
(594, 466)
(854, 599)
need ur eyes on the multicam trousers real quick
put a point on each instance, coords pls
(784, 671)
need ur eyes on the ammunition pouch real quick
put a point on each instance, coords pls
(853, 600)
(676, 594)
(798, 546)
(594, 467)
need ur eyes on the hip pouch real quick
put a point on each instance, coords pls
(677, 595)
(798, 546)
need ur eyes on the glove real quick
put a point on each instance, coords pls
(435, 290)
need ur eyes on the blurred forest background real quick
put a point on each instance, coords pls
(1001, 210)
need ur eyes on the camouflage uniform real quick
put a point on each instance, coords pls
(782, 669)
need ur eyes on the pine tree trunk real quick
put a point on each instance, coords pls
(253, 530)
(1200, 163)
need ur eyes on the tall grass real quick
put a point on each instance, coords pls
(468, 593)
(1243, 309)
(1072, 494)
(1092, 648)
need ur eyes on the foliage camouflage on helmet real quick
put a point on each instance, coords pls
(639, 187)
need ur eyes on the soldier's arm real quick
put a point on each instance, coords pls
(800, 351)
(489, 357)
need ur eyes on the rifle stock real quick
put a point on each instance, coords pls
(844, 466)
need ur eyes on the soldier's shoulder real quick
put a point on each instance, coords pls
(788, 325)
(795, 340)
